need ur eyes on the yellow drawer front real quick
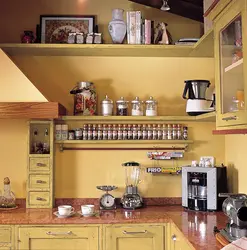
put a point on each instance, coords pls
(5, 235)
(39, 181)
(39, 198)
(39, 164)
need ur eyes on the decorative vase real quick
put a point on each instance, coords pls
(117, 26)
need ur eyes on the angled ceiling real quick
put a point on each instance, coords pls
(192, 9)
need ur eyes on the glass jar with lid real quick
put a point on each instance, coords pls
(122, 107)
(107, 106)
(137, 107)
(151, 107)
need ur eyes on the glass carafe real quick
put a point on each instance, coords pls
(132, 173)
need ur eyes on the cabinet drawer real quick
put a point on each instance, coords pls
(39, 181)
(39, 164)
(39, 198)
(5, 235)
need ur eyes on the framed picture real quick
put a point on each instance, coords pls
(56, 29)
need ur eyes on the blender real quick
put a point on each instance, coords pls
(131, 199)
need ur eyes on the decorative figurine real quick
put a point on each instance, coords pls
(162, 35)
(7, 200)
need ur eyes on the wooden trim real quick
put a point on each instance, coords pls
(31, 110)
(230, 132)
(210, 8)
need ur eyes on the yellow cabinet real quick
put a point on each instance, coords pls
(230, 77)
(132, 237)
(178, 240)
(7, 234)
(58, 238)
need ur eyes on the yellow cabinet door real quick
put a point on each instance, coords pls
(128, 237)
(178, 240)
(58, 238)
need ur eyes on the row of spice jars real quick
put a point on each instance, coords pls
(126, 132)
(137, 107)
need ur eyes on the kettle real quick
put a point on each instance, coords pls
(196, 89)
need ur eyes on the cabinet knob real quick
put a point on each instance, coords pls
(40, 199)
(174, 237)
(40, 182)
(40, 164)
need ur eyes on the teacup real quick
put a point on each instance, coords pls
(87, 209)
(65, 210)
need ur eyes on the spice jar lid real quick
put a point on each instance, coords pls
(121, 100)
(151, 100)
(81, 85)
(136, 100)
(107, 100)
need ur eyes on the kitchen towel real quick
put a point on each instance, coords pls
(240, 244)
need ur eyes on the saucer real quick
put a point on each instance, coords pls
(87, 215)
(64, 216)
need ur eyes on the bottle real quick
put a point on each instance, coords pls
(120, 132)
(58, 132)
(179, 132)
(139, 132)
(164, 132)
(169, 132)
(125, 132)
(155, 132)
(130, 132)
(84, 132)
(100, 133)
(174, 132)
(65, 131)
(105, 132)
(114, 132)
(144, 132)
(159, 132)
(109, 132)
(185, 133)
(150, 132)
(135, 132)
(95, 132)
(90, 132)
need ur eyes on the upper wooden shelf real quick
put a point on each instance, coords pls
(203, 48)
(31, 110)
(208, 117)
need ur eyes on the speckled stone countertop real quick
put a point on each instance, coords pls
(196, 226)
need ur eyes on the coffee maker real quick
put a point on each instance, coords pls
(131, 198)
(201, 186)
(197, 102)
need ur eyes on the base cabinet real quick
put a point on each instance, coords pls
(132, 237)
(7, 238)
(58, 238)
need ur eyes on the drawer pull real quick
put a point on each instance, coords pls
(230, 118)
(59, 233)
(40, 182)
(41, 164)
(174, 237)
(139, 232)
(40, 199)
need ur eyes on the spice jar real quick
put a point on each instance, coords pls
(122, 107)
(107, 106)
(71, 134)
(137, 107)
(151, 107)
(78, 134)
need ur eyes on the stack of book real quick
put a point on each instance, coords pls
(139, 31)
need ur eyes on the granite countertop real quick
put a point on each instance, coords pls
(196, 226)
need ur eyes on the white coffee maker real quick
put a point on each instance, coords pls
(197, 103)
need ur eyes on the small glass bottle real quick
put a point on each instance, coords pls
(79, 133)
(137, 107)
(135, 132)
(125, 132)
(139, 132)
(7, 200)
(151, 107)
(105, 132)
(46, 144)
(185, 133)
(164, 132)
(174, 132)
(155, 132)
(120, 132)
(159, 132)
(179, 132)
(169, 132)
(95, 132)
(130, 132)
(84, 132)
(150, 132)
(100, 132)
(122, 107)
(114, 132)
(144, 132)
(109, 132)
(90, 132)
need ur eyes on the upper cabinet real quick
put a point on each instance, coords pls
(231, 83)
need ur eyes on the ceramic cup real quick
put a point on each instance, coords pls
(87, 209)
(65, 210)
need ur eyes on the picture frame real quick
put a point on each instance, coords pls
(56, 28)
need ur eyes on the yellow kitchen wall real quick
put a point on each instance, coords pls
(235, 155)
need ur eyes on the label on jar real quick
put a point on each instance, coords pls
(150, 135)
(100, 135)
(95, 135)
(130, 135)
(135, 135)
(155, 135)
(160, 135)
(125, 135)
(84, 134)
(64, 135)
(120, 135)
(139, 135)
(90, 135)
(109, 134)
(114, 135)
(151, 112)
(105, 135)
(145, 135)
(136, 112)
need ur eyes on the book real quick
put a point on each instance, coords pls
(132, 27)
(128, 26)
(138, 27)
(147, 31)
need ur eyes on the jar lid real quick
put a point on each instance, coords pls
(151, 100)
(81, 85)
(131, 164)
(136, 100)
(107, 100)
(121, 100)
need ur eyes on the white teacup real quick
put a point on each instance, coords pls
(65, 210)
(87, 209)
